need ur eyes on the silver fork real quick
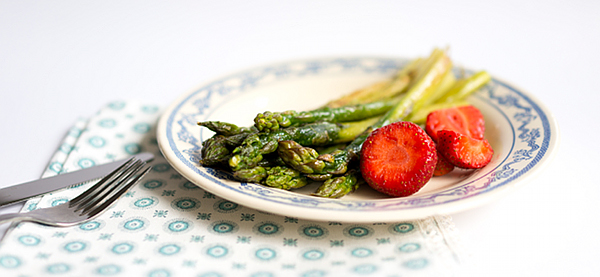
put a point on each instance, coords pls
(91, 202)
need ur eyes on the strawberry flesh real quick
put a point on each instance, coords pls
(398, 159)
(464, 151)
(466, 120)
(443, 166)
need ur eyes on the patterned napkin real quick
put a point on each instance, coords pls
(167, 226)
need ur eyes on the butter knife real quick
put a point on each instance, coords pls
(24, 191)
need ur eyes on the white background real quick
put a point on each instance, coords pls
(60, 60)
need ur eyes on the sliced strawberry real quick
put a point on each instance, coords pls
(443, 166)
(464, 151)
(398, 159)
(466, 120)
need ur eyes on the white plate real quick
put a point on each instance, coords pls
(521, 130)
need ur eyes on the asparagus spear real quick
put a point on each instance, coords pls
(381, 90)
(349, 130)
(466, 87)
(306, 161)
(339, 186)
(225, 128)
(453, 96)
(251, 175)
(283, 177)
(269, 122)
(251, 151)
(425, 83)
(447, 82)
(309, 161)
(214, 151)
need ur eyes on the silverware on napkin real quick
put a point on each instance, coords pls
(89, 204)
(24, 191)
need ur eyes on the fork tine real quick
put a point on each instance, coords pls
(106, 184)
(96, 209)
(109, 187)
(100, 185)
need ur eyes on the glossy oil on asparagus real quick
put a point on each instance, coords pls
(287, 150)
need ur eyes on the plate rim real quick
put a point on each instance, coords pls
(379, 215)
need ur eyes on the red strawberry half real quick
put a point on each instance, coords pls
(398, 159)
(464, 151)
(466, 120)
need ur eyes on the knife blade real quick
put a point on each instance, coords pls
(24, 191)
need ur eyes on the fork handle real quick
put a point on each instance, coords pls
(14, 217)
